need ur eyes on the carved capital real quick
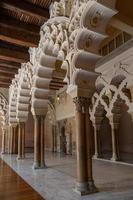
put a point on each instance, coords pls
(82, 104)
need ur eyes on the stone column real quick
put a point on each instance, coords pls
(21, 140)
(85, 183)
(97, 140)
(3, 140)
(9, 139)
(13, 139)
(39, 142)
(54, 142)
(114, 132)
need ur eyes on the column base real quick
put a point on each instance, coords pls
(37, 166)
(3, 153)
(95, 156)
(85, 188)
(114, 158)
(20, 158)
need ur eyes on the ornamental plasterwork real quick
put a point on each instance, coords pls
(86, 31)
(62, 8)
(4, 109)
(116, 76)
(24, 90)
(51, 113)
(13, 90)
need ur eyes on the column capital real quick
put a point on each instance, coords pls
(39, 111)
(13, 125)
(82, 104)
(39, 116)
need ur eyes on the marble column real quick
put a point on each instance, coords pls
(39, 142)
(97, 153)
(9, 139)
(13, 139)
(54, 142)
(3, 140)
(85, 184)
(114, 132)
(21, 140)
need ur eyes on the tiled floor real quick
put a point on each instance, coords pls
(115, 181)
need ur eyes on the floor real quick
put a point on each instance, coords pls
(114, 181)
(12, 187)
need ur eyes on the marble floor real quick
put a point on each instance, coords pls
(114, 180)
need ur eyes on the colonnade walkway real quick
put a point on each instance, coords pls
(57, 181)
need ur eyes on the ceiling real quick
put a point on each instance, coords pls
(20, 22)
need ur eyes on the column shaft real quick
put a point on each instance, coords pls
(85, 183)
(3, 141)
(39, 142)
(115, 153)
(21, 140)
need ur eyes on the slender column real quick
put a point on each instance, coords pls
(88, 131)
(39, 142)
(53, 139)
(13, 139)
(85, 183)
(9, 139)
(114, 130)
(97, 140)
(3, 140)
(21, 140)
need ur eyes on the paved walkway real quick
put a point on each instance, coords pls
(115, 181)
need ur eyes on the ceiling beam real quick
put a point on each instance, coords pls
(29, 28)
(9, 80)
(3, 85)
(6, 74)
(56, 84)
(13, 55)
(9, 64)
(7, 70)
(60, 74)
(123, 23)
(25, 8)
(18, 37)
(6, 83)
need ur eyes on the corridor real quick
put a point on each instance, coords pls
(57, 181)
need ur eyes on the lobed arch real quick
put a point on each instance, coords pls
(24, 91)
(4, 110)
(13, 100)
(47, 62)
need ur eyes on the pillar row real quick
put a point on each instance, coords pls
(39, 142)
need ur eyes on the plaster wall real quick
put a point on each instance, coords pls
(64, 107)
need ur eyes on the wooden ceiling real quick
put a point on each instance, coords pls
(20, 22)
